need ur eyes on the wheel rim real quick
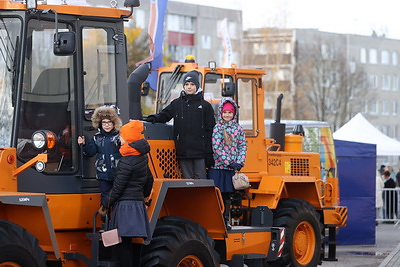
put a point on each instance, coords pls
(190, 261)
(9, 264)
(304, 243)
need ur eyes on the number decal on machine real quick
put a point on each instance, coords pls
(274, 162)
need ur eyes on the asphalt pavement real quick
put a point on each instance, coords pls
(384, 253)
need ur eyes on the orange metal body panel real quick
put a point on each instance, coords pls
(9, 170)
(71, 215)
(336, 216)
(8, 182)
(247, 243)
(163, 161)
(268, 192)
(31, 218)
(332, 197)
(75, 241)
(73, 211)
(201, 205)
(289, 174)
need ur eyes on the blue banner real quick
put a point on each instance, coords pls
(158, 9)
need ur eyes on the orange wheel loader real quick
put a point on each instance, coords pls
(59, 61)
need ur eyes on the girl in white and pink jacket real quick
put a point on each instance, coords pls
(229, 150)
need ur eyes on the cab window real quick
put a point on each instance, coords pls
(98, 68)
(213, 87)
(246, 88)
(47, 98)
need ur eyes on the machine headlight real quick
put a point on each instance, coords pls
(44, 139)
(40, 166)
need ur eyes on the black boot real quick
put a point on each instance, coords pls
(227, 202)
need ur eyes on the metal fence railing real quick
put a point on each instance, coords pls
(390, 211)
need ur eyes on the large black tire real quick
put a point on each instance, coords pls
(303, 241)
(179, 242)
(19, 248)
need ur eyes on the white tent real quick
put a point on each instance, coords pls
(359, 129)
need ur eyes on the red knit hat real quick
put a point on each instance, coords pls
(228, 106)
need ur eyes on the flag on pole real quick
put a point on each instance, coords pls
(158, 9)
(226, 41)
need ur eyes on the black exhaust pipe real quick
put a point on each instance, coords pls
(277, 129)
(135, 80)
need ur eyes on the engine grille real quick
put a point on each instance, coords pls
(167, 162)
(299, 167)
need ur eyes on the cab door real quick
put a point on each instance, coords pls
(103, 77)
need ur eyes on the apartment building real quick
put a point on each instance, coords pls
(376, 93)
(194, 30)
(367, 67)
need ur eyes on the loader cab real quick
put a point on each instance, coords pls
(49, 95)
(216, 83)
(243, 85)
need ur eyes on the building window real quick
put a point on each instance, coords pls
(373, 59)
(181, 38)
(385, 129)
(395, 108)
(385, 82)
(206, 41)
(385, 107)
(385, 57)
(363, 55)
(394, 58)
(259, 49)
(373, 107)
(395, 83)
(374, 81)
(180, 23)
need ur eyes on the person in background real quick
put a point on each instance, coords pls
(382, 169)
(379, 196)
(398, 178)
(391, 171)
(105, 145)
(229, 147)
(193, 124)
(389, 196)
(132, 185)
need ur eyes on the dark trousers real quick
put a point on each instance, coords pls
(193, 168)
(105, 187)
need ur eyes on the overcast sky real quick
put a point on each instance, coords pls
(340, 16)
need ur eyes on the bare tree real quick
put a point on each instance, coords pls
(328, 86)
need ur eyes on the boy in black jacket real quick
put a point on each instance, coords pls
(193, 125)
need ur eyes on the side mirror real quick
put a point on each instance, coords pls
(132, 3)
(64, 43)
(229, 89)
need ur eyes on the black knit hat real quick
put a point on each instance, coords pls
(192, 76)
